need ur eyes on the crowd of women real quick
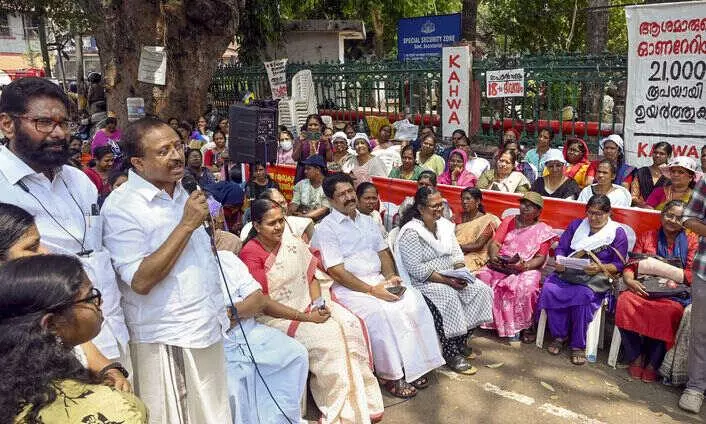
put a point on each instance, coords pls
(454, 273)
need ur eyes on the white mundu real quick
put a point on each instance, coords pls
(282, 361)
(176, 328)
(69, 198)
(402, 333)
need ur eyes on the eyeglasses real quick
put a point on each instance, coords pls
(436, 206)
(96, 297)
(596, 214)
(672, 217)
(47, 125)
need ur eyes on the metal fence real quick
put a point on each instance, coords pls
(574, 95)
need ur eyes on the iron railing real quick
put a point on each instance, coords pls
(568, 93)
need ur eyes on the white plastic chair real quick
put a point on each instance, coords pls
(594, 334)
(391, 238)
(614, 347)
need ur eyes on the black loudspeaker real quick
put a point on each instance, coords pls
(253, 132)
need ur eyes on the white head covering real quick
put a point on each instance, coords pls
(684, 162)
(339, 134)
(553, 155)
(615, 138)
(361, 136)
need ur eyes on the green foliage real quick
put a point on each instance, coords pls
(66, 15)
(544, 26)
(390, 11)
(259, 24)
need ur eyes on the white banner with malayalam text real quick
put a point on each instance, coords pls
(666, 76)
(277, 74)
(505, 83)
(456, 85)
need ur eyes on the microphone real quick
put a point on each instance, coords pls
(189, 183)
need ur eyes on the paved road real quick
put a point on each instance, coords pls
(514, 393)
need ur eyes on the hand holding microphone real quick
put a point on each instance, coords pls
(196, 211)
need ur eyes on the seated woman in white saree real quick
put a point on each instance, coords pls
(342, 384)
(281, 360)
(426, 247)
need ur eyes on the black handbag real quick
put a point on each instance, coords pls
(659, 287)
(503, 262)
(600, 283)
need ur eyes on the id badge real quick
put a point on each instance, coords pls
(94, 232)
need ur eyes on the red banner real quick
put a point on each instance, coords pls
(557, 212)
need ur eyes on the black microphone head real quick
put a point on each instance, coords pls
(188, 181)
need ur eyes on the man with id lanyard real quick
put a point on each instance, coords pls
(63, 201)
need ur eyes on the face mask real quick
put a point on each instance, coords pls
(285, 145)
(84, 121)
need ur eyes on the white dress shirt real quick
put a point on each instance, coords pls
(186, 308)
(69, 197)
(353, 243)
(240, 285)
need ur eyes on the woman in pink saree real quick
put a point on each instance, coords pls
(342, 382)
(516, 290)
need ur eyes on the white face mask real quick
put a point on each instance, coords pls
(85, 121)
(285, 145)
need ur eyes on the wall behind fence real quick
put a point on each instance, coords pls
(576, 95)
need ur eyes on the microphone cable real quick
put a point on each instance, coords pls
(234, 311)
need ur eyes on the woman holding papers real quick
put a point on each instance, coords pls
(426, 251)
(570, 305)
(517, 254)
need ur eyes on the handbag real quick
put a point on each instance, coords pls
(659, 286)
(599, 283)
(503, 262)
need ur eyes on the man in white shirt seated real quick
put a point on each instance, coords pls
(282, 361)
(301, 226)
(173, 304)
(64, 203)
(401, 329)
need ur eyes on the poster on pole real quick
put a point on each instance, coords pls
(277, 74)
(505, 83)
(153, 65)
(666, 75)
(455, 89)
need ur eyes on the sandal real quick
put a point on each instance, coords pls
(529, 336)
(421, 383)
(556, 346)
(460, 364)
(399, 388)
(578, 357)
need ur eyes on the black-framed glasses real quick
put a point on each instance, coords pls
(47, 125)
(96, 297)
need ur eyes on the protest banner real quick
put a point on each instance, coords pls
(666, 71)
(152, 68)
(423, 37)
(557, 213)
(505, 83)
(456, 83)
(277, 74)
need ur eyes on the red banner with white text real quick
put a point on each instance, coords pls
(557, 212)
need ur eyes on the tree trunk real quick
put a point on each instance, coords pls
(596, 42)
(81, 87)
(597, 26)
(469, 16)
(379, 32)
(42, 34)
(195, 33)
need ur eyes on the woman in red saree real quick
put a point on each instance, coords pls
(648, 326)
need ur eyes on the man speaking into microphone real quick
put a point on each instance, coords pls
(173, 304)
